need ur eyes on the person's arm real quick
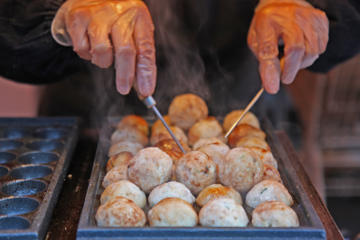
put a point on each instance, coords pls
(344, 33)
(28, 53)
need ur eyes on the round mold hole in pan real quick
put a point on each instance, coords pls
(16, 133)
(6, 145)
(51, 133)
(3, 171)
(23, 187)
(38, 158)
(13, 206)
(6, 157)
(30, 171)
(13, 223)
(45, 145)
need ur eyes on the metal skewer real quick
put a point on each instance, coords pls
(248, 107)
(150, 103)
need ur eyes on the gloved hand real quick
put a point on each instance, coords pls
(304, 31)
(104, 31)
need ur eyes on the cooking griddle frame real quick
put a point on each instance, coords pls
(310, 223)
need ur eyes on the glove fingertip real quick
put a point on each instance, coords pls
(123, 89)
(146, 90)
(146, 81)
(271, 88)
(270, 75)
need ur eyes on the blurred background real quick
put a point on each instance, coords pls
(326, 132)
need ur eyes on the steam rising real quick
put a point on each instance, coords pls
(181, 68)
(185, 34)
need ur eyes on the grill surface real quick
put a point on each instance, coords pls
(310, 224)
(34, 156)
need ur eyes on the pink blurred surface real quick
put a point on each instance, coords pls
(19, 100)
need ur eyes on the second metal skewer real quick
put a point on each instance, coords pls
(246, 110)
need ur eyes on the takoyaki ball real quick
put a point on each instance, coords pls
(126, 146)
(208, 141)
(266, 156)
(170, 190)
(163, 134)
(271, 173)
(173, 212)
(274, 214)
(244, 130)
(120, 159)
(149, 168)
(216, 150)
(126, 189)
(223, 212)
(135, 122)
(217, 191)
(252, 141)
(170, 147)
(241, 169)
(233, 116)
(120, 212)
(115, 174)
(205, 128)
(158, 125)
(129, 135)
(186, 109)
(196, 170)
(268, 190)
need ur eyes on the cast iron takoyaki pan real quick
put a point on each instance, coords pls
(34, 156)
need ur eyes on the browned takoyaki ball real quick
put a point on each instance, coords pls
(209, 141)
(268, 190)
(114, 175)
(196, 170)
(131, 147)
(162, 134)
(271, 173)
(205, 128)
(135, 122)
(129, 135)
(217, 191)
(173, 212)
(223, 212)
(233, 116)
(274, 214)
(244, 130)
(251, 141)
(120, 212)
(120, 159)
(171, 148)
(158, 125)
(265, 155)
(149, 168)
(213, 148)
(241, 169)
(186, 109)
(126, 189)
(170, 189)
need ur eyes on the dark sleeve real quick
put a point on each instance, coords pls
(344, 34)
(27, 51)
